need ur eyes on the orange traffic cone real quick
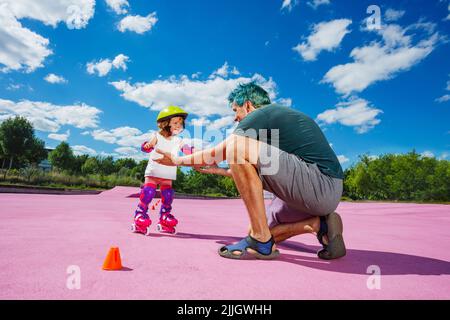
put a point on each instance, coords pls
(113, 261)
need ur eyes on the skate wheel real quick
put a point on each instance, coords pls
(133, 228)
(158, 227)
(148, 231)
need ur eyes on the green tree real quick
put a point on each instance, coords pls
(91, 166)
(62, 157)
(408, 177)
(227, 186)
(78, 162)
(16, 138)
(124, 163)
(178, 184)
(36, 152)
(106, 165)
(138, 171)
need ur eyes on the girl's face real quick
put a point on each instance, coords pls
(176, 125)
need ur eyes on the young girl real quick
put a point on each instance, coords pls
(171, 122)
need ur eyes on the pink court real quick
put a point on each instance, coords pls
(43, 235)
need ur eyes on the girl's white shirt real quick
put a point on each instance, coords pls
(172, 145)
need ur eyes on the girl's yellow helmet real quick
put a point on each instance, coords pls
(171, 111)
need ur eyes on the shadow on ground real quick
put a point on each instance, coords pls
(356, 261)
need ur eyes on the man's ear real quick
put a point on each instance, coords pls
(248, 106)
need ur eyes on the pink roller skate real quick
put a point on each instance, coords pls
(141, 224)
(167, 223)
(142, 221)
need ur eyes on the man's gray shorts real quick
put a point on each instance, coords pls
(301, 190)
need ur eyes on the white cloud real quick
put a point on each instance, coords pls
(137, 24)
(444, 98)
(316, 3)
(75, 13)
(23, 49)
(14, 87)
(200, 122)
(427, 154)
(355, 113)
(222, 123)
(20, 48)
(104, 66)
(325, 36)
(224, 71)
(288, 4)
(203, 98)
(122, 136)
(448, 16)
(49, 117)
(127, 150)
(119, 6)
(342, 159)
(80, 150)
(53, 78)
(120, 61)
(444, 156)
(287, 102)
(60, 136)
(393, 15)
(381, 60)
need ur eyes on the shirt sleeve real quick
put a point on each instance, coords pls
(252, 125)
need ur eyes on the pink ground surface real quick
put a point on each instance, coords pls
(41, 235)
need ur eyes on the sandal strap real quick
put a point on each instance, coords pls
(323, 230)
(238, 246)
(264, 248)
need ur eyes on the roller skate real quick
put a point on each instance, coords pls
(141, 224)
(167, 223)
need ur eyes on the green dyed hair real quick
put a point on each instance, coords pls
(249, 92)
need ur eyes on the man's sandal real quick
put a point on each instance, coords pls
(331, 227)
(262, 250)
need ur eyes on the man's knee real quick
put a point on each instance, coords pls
(241, 150)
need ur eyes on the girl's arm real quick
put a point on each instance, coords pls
(148, 146)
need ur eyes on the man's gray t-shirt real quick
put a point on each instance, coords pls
(298, 134)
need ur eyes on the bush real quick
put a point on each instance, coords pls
(408, 177)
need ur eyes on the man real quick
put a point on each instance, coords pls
(303, 173)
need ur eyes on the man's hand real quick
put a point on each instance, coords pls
(168, 159)
(214, 170)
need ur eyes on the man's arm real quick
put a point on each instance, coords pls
(211, 156)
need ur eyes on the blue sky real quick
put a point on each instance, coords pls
(96, 73)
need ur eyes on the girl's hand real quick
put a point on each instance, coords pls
(149, 145)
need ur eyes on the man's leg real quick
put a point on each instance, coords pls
(285, 231)
(242, 156)
(286, 222)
